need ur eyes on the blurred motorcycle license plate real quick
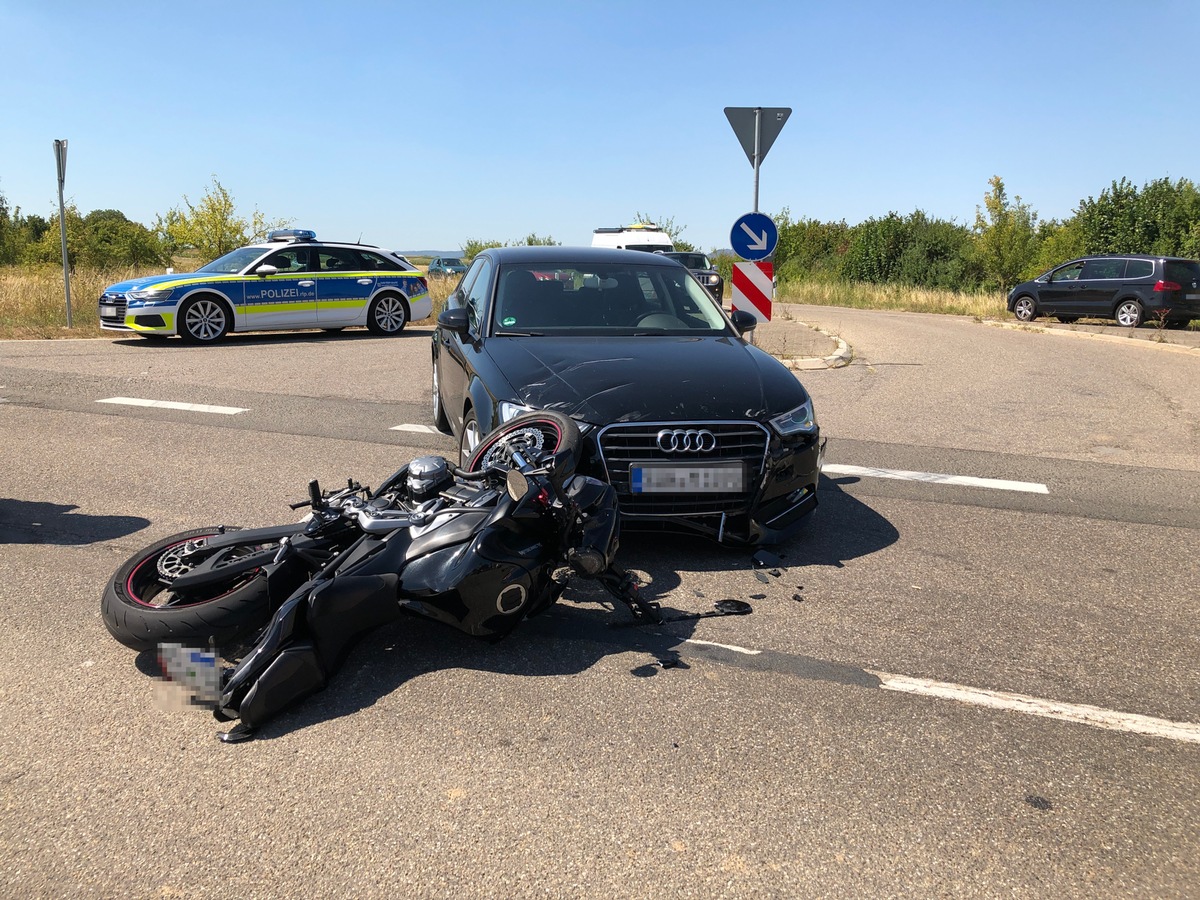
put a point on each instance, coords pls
(108, 310)
(673, 479)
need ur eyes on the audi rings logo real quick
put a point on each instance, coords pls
(690, 440)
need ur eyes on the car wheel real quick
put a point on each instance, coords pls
(471, 436)
(388, 315)
(1129, 313)
(204, 320)
(1178, 323)
(440, 422)
(1025, 309)
(1068, 320)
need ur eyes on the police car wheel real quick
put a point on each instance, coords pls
(388, 315)
(203, 321)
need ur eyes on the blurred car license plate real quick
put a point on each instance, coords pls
(661, 478)
(108, 310)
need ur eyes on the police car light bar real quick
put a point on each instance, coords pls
(292, 234)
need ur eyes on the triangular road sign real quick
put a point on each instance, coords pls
(770, 122)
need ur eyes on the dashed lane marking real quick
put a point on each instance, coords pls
(420, 429)
(998, 484)
(171, 404)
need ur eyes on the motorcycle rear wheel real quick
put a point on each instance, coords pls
(555, 431)
(140, 609)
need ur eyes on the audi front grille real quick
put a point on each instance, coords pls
(624, 446)
(118, 302)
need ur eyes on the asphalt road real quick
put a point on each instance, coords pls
(947, 689)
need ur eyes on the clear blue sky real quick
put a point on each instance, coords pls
(420, 126)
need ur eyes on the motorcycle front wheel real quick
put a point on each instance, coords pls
(140, 609)
(543, 430)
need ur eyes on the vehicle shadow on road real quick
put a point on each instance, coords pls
(32, 522)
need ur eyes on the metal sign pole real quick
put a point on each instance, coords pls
(757, 141)
(60, 158)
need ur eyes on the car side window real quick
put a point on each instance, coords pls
(1103, 268)
(1068, 273)
(1139, 268)
(294, 259)
(336, 259)
(374, 261)
(465, 285)
(477, 296)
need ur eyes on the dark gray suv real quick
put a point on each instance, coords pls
(1131, 288)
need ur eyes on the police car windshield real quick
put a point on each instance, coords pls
(233, 262)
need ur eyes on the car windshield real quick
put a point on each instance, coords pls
(233, 262)
(452, 261)
(602, 299)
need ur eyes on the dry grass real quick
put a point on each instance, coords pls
(896, 297)
(33, 303)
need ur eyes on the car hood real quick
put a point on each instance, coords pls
(134, 284)
(646, 378)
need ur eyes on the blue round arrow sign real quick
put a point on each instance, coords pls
(754, 236)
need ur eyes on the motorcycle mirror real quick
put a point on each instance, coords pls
(517, 484)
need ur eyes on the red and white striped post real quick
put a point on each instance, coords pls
(753, 286)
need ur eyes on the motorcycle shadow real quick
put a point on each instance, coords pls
(567, 639)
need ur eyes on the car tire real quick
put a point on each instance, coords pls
(440, 422)
(204, 320)
(1129, 313)
(1068, 320)
(1025, 309)
(471, 436)
(1178, 323)
(388, 315)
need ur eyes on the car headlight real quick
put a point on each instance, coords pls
(801, 420)
(713, 279)
(509, 410)
(151, 295)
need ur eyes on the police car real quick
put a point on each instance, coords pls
(291, 281)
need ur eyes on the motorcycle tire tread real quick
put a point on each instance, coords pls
(221, 619)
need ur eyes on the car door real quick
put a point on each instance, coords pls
(1059, 296)
(1098, 285)
(285, 299)
(344, 287)
(456, 352)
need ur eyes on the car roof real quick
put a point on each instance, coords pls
(557, 255)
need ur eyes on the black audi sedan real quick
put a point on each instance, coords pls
(697, 429)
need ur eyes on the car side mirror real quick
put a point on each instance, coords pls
(743, 321)
(456, 320)
(266, 269)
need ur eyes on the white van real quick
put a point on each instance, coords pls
(639, 236)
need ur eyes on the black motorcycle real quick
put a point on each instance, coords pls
(479, 548)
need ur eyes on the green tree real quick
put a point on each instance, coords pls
(212, 227)
(1158, 218)
(535, 240)
(473, 248)
(1005, 236)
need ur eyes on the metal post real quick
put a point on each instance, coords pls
(757, 139)
(60, 158)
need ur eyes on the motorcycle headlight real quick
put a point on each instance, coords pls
(509, 410)
(151, 294)
(801, 420)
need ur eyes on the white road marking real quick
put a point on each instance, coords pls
(723, 646)
(1095, 716)
(171, 404)
(422, 429)
(998, 484)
